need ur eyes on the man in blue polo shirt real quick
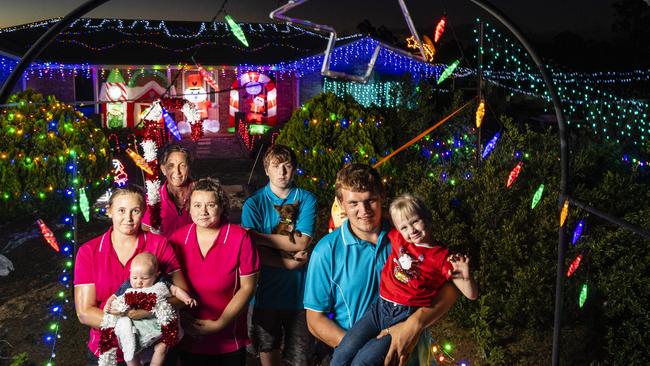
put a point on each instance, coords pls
(345, 267)
(278, 304)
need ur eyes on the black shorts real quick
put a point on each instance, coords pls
(237, 358)
(271, 329)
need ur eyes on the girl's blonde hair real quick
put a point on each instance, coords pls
(128, 189)
(408, 204)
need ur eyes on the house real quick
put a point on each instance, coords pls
(121, 66)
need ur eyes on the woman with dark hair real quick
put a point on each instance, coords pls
(175, 190)
(104, 263)
(222, 267)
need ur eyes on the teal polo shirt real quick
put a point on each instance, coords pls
(343, 274)
(279, 288)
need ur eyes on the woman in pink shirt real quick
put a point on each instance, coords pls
(221, 266)
(104, 263)
(175, 191)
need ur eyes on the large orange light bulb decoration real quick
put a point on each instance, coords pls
(139, 161)
(480, 113)
(564, 212)
(48, 235)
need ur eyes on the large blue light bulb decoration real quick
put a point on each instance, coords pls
(490, 145)
(578, 232)
(171, 125)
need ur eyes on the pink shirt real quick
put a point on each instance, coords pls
(214, 280)
(171, 219)
(97, 264)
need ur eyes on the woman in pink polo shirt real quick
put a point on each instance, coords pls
(221, 267)
(175, 191)
(104, 263)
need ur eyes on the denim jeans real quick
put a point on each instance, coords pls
(359, 346)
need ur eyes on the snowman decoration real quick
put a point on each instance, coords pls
(196, 93)
(406, 267)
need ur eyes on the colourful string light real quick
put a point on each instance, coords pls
(537, 196)
(480, 113)
(236, 30)
(564, 212)
(139, 161)
(583, 295)
(574, 265)
(119, 174)
(440, 29)
(84, 205)
(577, 232)
(448, 71)
(48, 235)
(491, 145)
(514, 173)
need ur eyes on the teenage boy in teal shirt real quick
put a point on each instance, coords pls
(278, 304)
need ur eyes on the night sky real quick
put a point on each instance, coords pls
(587, 17)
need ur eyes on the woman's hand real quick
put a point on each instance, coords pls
(138, 314)
(201, 327)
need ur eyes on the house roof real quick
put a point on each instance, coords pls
(158, 42)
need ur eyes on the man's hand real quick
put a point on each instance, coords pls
(404, 337)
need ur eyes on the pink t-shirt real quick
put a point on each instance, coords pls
(214, 280)
(97, 264)
(171, 219)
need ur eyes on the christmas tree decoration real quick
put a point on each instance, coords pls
(448, 71)
(236, 30)
(583, 295)
(574, 265)
(514, 173)
(84, 205)
(480, 113)
(537, 196)
(139, 161)
(577, 232)
(440, 28)
(120, 177)
(564, 212)
(491, 145)
(48, 235)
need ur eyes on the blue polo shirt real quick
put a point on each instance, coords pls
(343, 274)
(279, 288)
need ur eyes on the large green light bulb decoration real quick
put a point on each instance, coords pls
(448, 71)
(236, 30)
(84, 205)
(538, 196)
(583, 295)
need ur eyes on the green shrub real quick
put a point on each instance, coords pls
(39, 138)
(326, 133)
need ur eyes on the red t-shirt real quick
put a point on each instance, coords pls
(97, 264)
(413, 274)
(214, 280)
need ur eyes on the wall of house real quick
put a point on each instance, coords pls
(309, 86)
(62, 87)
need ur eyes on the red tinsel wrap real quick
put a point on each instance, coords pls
(172, 104)
(170, 333)
(107, 340)
(197, 130)
(140, 300)
(153, 130)
(154, 215)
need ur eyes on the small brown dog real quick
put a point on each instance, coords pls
(286, 226)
